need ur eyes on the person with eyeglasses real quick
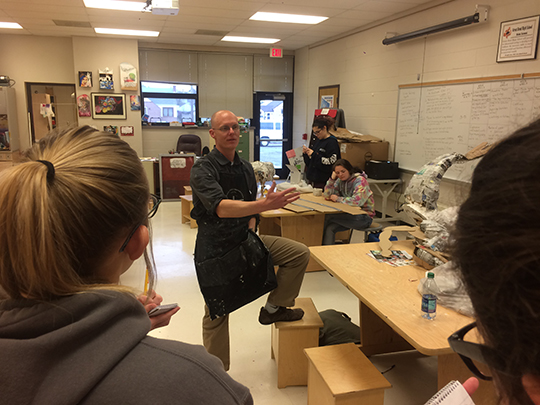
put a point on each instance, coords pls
(74, 218)
(226, 208)
(497, 239)
(320, 160)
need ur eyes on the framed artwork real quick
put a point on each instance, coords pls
(109, 106)
(112, 129)
(135, 102)
(128, 77)
(328, 96)
(85, 79)
(106, 81)
(127, 131)
(83, 105)
(518, 39)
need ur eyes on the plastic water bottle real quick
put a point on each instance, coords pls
(429, 297)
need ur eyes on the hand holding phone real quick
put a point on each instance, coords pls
(161, 309)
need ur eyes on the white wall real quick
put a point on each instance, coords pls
(369, 72)
(94, 54)
(37, 60)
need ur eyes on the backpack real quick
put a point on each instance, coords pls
(337, 329)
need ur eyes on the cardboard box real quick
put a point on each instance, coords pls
(359, 152)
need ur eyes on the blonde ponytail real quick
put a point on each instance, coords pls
(59, 219)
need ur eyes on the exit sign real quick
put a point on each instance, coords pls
(276, 53)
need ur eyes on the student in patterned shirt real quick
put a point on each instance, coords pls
(351, 188)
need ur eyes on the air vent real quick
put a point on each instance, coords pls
(211, 33)
(79, 24)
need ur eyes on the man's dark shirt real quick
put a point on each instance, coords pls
(214, 178)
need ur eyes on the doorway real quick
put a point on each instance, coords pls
(273, 129)
(62, 111)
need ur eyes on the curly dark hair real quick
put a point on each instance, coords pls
(324, 121)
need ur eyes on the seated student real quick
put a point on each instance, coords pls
(497, 241)
(347, 186)
(74, 218)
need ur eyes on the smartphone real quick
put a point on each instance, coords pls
(161, 309)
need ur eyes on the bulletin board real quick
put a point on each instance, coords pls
(328, 96)
(455, 116)
(174, 172)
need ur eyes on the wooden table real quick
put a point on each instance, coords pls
(305, 224)
(390, 317)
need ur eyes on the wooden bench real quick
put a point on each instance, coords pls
(289, 339)
(187, 206)
(343, 375)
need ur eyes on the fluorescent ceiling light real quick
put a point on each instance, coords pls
(287, 18)
(10, 25)
(116, 5)
(137, 33)
(250, 39)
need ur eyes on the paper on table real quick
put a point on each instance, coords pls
(453, 393)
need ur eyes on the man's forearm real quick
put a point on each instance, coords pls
(239, 209)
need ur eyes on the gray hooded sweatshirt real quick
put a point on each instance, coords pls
(92, 348)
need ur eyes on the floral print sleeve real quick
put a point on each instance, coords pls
(362, 196)
(331, 188)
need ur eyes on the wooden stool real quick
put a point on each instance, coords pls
(343, 375)
(187, 206)
(289, 339)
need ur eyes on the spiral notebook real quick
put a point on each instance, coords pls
(453, 393)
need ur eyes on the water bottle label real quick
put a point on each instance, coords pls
(429, 303)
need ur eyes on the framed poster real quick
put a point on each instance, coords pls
(108, 106)
(83, 105)
(328, 96)
(128, 77)
(85, 79)
(518, 39)
(135, 102)
(106, 81)
(111, 129)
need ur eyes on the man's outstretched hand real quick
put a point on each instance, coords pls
(275, 200)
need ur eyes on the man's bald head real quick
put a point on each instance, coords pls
(219, 114)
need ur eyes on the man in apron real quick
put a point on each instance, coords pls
(225, 207)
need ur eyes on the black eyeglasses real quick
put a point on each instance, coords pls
(155, 204)
(317, 132)
(469, 351)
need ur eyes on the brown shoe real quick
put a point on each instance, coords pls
(283, 314)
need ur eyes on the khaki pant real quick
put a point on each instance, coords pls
(292, 258)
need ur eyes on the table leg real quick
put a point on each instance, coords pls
(451, 367)
(376, 336)
(385, 194)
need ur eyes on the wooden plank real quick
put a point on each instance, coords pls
(330, 204)
(296, 208)
(472, 80)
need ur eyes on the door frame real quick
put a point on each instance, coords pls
(288, 104)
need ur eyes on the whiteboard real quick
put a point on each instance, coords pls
(455, 117)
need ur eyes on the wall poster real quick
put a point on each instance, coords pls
(518, 39)
(108, 106)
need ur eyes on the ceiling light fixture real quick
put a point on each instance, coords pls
(287, 18)
(116, 5)
(137, 33)
(230, 38)
(10, 25)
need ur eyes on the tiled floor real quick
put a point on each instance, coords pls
(413, 377)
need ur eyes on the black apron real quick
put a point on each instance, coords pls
(233, 265)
